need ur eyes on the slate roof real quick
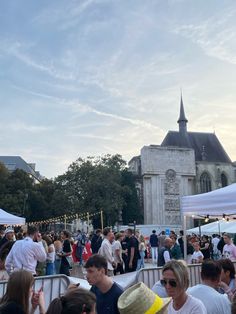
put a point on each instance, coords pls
(182, 117)
(206, 145)
(16, 162)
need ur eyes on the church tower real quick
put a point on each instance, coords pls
(182, 121)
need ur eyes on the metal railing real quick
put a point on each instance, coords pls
(150, 276)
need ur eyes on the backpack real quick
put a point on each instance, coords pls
(81, 240)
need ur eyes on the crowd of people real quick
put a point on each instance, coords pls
(23, 256)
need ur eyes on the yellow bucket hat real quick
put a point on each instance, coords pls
(139, 299)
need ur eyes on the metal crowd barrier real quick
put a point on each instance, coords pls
(150, 276)
(53, 287)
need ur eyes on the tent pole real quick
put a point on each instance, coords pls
(219, 226)
(185, 238)
(199, 226)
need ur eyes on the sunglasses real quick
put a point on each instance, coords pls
(171, 282)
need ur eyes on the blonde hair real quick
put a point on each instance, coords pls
(180, 270)
(141, 238)
(118, 236)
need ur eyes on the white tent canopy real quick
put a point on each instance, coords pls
(216, 203)
(215, 227)
(9, 219)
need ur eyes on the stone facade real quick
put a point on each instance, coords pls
(167, 174)
(185, 164)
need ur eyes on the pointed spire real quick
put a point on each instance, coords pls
(182, 119)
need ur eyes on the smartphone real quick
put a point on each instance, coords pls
(42, 286)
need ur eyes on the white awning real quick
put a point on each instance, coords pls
(215, 203)
(9, 219)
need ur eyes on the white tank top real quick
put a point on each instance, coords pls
(51, 255)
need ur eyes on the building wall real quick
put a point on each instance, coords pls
(214, 170)
(168, 173)
(163, 174)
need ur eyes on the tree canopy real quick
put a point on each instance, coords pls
(89, 185)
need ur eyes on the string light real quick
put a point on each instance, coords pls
(207, 218)
(63, 217)
(223, 217)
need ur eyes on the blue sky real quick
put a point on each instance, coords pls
(92, 77)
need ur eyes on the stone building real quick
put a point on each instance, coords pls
(16, 162)
(185, 163)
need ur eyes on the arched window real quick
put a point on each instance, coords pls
(205, 183)
(224, 180)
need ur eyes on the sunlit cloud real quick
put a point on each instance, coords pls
(92, 77)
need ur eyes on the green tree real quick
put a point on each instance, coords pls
(95, 183)
(131, 210)
(16, 188)
(90, 185)
(4, 175)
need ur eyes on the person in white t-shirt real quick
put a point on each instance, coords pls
(117, 253)
(175, 279)
(106, 250)
(214, 302)
(229, 249)
(197, 256)
(216, 253)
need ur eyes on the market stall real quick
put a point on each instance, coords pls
(9, 219)
(220, 203)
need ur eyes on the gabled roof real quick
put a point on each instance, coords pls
(16, 162)
(205, 145)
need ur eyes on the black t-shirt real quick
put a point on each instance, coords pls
(3, 241)
(133, 242)
(107, 302)
(10, 308)
(153, 240)
(96, 243)
(124, 243)
(206, 251)
(66, 248)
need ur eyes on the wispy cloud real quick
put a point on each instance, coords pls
(16, 49)
(92, 136)
(215, 35)
(18, 126)
(64, 16)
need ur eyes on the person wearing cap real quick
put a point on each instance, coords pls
(8, 237)
(175, 279)
(139, 299)
(107, 292)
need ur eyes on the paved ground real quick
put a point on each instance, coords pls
(80, 272)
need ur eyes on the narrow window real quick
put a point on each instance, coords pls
(205, 183)
(224, 181)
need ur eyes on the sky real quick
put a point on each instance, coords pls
(93, 77)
